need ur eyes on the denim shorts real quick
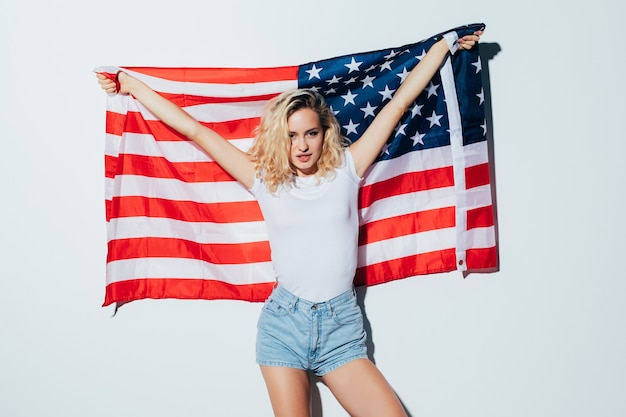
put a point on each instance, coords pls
(301, 334)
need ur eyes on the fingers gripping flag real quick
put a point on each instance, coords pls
(178, 226)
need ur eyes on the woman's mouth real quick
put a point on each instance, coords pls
(303, 158)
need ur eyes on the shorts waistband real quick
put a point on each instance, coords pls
(298, 303)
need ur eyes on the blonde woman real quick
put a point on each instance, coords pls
(306, 178)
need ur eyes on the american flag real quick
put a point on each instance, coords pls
(178, 226)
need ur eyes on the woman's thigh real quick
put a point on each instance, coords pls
(289, 390)
(363, 391)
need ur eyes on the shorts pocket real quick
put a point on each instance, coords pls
(347, 313)
(274, 308)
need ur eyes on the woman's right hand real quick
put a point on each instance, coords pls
(110, 86)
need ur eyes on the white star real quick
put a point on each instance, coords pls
(417, 138)
(387, 93)
(391, 54)
(353, 66)
(350, 81)
(420, 57)
(331, 91)
(403, 75)
(434, 119)
(416, 110)
(385, 149)
(481, 96)
(400, 129)
(333, 110)
(333, 80)
(478, 64)
(372, 67)
(368, 110)
(349, 98)
(351, 127)
(368, 81)
(432, 89)
(386, 65)
(484, 126)
(315, 88)
(314, 72)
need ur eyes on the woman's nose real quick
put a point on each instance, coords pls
(303, 146)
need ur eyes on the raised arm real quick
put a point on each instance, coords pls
(367, 148)
(233, 160)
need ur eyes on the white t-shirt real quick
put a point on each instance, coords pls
(313, 232)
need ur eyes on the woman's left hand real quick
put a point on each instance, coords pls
(468, 41)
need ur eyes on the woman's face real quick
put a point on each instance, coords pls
(307, 138)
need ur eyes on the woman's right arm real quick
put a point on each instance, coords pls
(233, 160)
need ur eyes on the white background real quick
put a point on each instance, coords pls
(544, 337)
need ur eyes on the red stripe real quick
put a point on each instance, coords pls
(187, 289)
(189, 211)
(114, 123)
(420, 264)
(406, 225)
(117, 124)
(482, 258)
(221, 75)
(477, 175)
(480, 217)
(406, 183)
(160, 167)
(110, 166)
(156, 247)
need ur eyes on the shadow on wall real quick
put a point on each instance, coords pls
(487, 52)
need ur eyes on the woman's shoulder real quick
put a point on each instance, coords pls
(258, 185)
(347, 165)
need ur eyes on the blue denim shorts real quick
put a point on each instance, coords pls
(319, 337)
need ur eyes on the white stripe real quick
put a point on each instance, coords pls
(118, 103)
(423, 200)
(223, 112)
(173, 151)
(478, 197)
(109, 186)
(112, 144)
(239, 274)
(173, 189)
(201, 232)
(408, 245)
(423, 160)
(214, 112)
(456, 145)
(408, 203)
(481, 237)
(417, 161)
(476, 153)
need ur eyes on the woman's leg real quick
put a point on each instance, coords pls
(289, 391)
(363, 391)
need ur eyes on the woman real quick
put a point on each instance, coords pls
(306, 179)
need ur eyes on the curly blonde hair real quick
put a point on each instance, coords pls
(272, 146)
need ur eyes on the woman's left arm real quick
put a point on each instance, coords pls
(367, 148)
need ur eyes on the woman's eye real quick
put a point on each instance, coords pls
(313, 133)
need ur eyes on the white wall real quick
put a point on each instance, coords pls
(543, 337)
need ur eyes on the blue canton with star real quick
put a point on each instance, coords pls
(357, 86)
